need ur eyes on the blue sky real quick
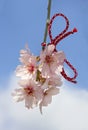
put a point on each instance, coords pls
(23, 21)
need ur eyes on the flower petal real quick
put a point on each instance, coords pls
(53, 91)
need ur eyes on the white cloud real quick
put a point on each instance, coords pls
(68, 111)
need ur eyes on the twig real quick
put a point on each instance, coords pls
(48, 19)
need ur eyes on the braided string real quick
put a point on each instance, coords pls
(57, 39)
(50, 25)
(65, 75)
(63, 34)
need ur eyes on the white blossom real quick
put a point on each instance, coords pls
(50, 60)
(29, 65)
(40, 77)
(29, 91)
(47, 97)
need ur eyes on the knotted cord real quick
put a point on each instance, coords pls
(57, 39)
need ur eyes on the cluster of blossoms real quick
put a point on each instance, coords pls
(41, 76)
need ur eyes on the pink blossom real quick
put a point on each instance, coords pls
(25, 56)
(47, 97)
(40, 77)
(53, 81)
(50, 60)
(29, 91)
(29, 65)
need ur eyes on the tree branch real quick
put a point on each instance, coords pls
(47, 20)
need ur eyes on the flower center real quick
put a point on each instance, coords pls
(31, 68)
(29, 91)
(48, 59)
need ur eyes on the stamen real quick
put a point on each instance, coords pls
(29, 90)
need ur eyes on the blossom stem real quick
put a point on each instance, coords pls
(47, 20)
